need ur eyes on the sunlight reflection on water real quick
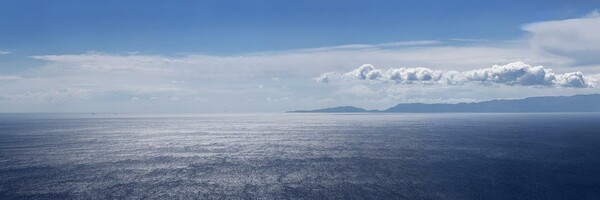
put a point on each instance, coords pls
(279, 156)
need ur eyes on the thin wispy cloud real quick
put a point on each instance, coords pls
(373, 46)
(467, 40)
(576, 39)
(411, 43)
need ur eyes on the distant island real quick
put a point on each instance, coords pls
(338, 110)
(577, 103)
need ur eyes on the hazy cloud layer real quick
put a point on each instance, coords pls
(577, 39)
(10, 78)
(516, 73)
(52, 96)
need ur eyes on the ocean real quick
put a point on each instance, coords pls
(300, 156)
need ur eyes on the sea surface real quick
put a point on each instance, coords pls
(300, 156)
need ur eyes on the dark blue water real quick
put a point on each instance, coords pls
(307, 156)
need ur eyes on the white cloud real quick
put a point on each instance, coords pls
(5, 52)
(409, 75)
(577, 39)
(516, 73)
(573, 79)
(364, 72)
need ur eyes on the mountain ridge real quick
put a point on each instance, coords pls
(575, 103)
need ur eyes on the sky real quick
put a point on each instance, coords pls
(274, 56)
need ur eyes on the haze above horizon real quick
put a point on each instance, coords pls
(274, 56)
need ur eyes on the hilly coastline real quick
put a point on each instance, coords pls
(576, 103)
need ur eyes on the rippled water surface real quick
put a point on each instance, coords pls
(308, 156)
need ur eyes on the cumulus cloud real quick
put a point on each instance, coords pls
(364, 72)
(513, 74)
(577, 39)
(409, 75)
(517, 73)
(573, 79)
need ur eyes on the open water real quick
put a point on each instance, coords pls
(300, 156)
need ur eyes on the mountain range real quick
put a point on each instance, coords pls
(577, 103)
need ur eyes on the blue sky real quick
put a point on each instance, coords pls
(229, 27)
(254, 56)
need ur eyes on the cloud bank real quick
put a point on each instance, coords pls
(517, 73)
